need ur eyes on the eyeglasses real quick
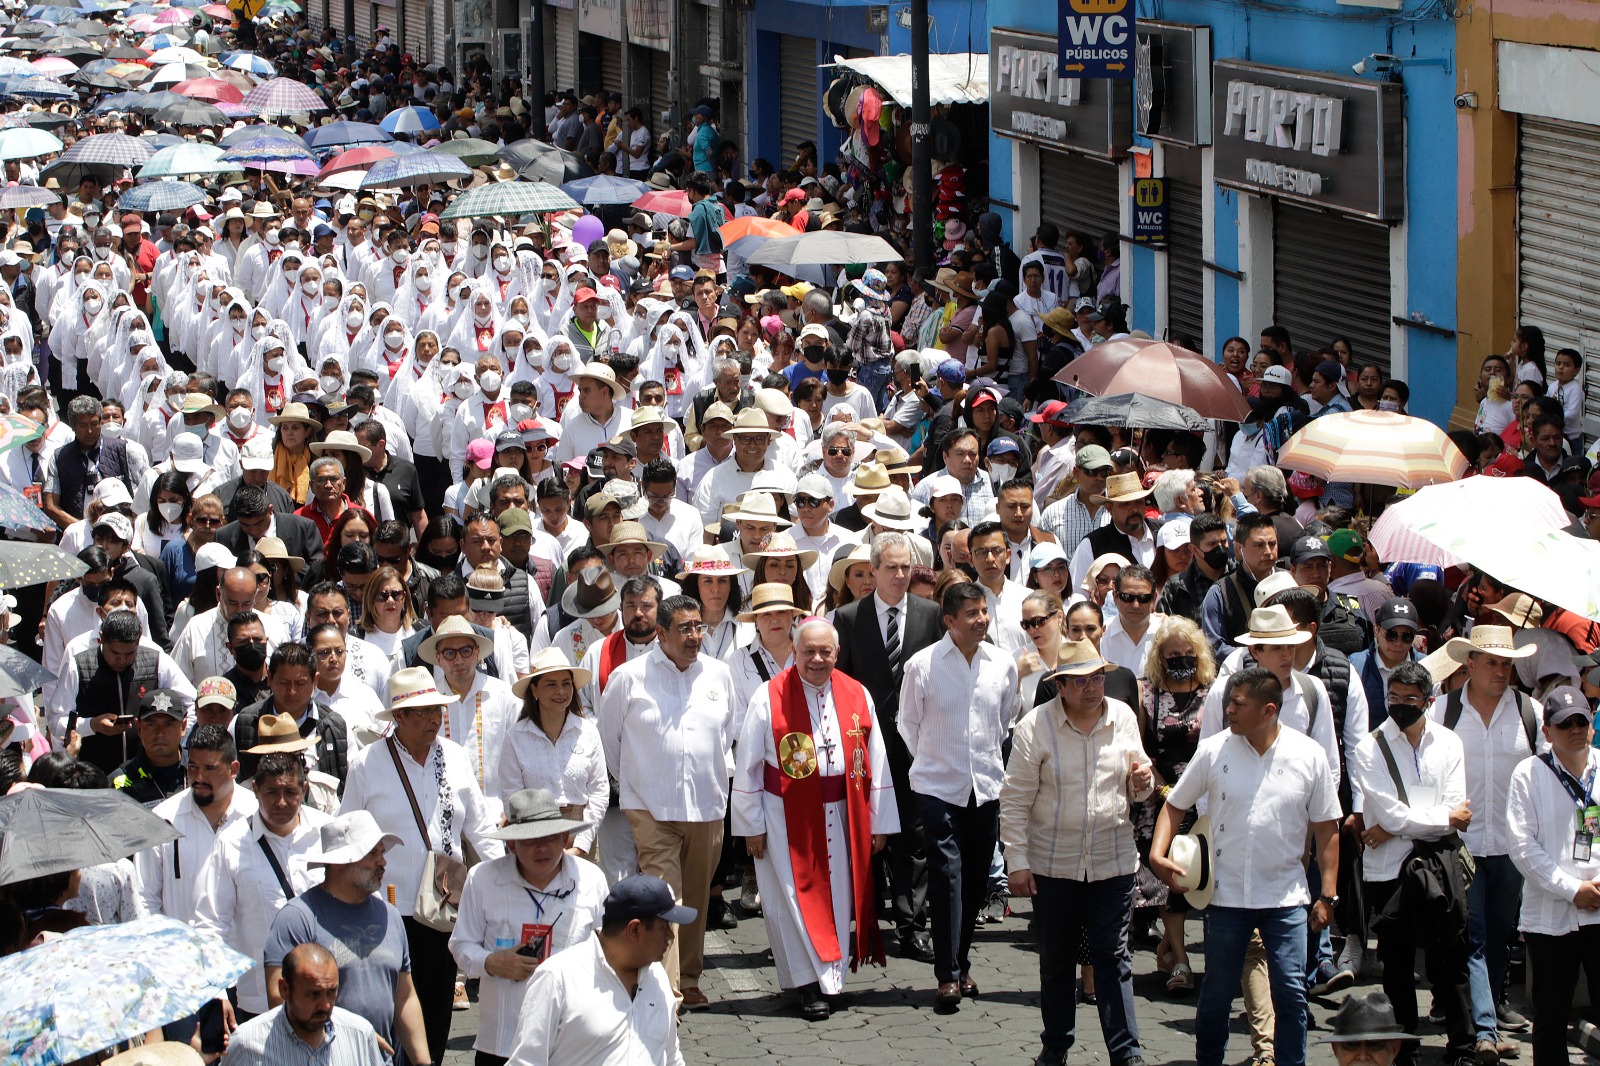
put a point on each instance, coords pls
(690, 629)
(328, 654)
(809, 502)
(1136, 597)
(1570, 722)
(990, 552)
(1030, 624)
(450, 655)
(388, 595)
(1399, 636)
(660, 497)
(393, 560)
(1085, 680)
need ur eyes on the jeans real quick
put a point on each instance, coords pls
(1015, 384)
(1554, 961)
(874, 377)
(1228, 929)
(1319, 944)
(1061, 910)
(960, 844)
(1493, 902)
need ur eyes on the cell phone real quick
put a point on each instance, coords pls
(126, 719)
(534, 948)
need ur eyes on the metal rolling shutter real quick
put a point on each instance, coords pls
(797, 93)
(561, 27)
(1558, 243)
(1186, 312)
(362, 31)
(416, 35)
(1320, 295)
(610, 66)
(1077, 192)
(660, 90)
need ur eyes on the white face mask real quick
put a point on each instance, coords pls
(331, 383)
(535, 358)
(272, 238)
(1000, 473)
(604, 310)
(352, 320)
(520, 319)
(275, 364)
(424, 284)
(502, 263)
(169, 511)
(481, 320)
(258, 331)
(238, 326)
(491, 381)
(551, 284)
(463, 389)
(241, 417)
(480, 252)
(111, 430)
(92, 306)
(448, 247)
(200, 287)
(102, 252)
(563, 363)
(401, 256)
(310, 287)
(393, 341)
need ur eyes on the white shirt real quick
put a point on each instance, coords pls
(1117, 646)
(1542, 822)
(577, 1012)
(1490, 753)
(168, 875)
(680, 527)
(373, 784)
(1005, 616)
(1294, 714)
(62, 699)
(591, 663)
(201, 650)
(954, 715)
(478, 722)
(1261, 808)
(824, 545)
(498, 909)
(1435, 784)
(668, 734)
(581, 432)
(70, 616)
(724, 484)
(239, 892)
(573, 768)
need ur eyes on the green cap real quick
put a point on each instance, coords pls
(1093, 457)
(1348, 545)
(515, 520)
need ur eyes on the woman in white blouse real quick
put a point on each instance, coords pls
(552, 746)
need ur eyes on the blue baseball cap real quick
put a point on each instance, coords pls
(323, 230)
(951, 372)
(644, 896)
(1003, 445)
(682, 273)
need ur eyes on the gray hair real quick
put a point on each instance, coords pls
(722, 366)
(817, 302)
(835, 429)
(106, 231)
(818, 623)
(1170, 487)
(1269, 481)
(889, 539)
(324, 463)
(82, 407)
(506, 481)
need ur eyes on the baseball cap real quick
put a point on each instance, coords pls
(214, 556)
(1348, 545)
(162, 701)
(682, 273)
(1563, 704)
(1050, 412)
(111, 492)
(480, 453)
(584, 295)
(1277, 375)
(816, 330)
(1084, 303)
(1093, 457)
(644, 896)
(117, 523)
(951, 372)
(1306, 549)
(515, 520)
(256, 454)
(1396, 611)
(1174, 534)
(814, 486)
(1003, 446)
(216, 690)
(509, 440)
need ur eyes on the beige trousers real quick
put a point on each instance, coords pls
(684, 855)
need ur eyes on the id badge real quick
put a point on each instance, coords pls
(535, 940)
(1591, 821)
(1582, 845)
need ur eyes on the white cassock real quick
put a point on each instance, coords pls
(756, 811)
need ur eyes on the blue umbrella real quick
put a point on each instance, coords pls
(15, 85)
(603, 189)
(409, 120)
(18, 512)
(161, 196)
(344, 134)
(266, 150)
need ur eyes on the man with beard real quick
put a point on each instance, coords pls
(308, 1025)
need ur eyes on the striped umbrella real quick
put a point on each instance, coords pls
(26, 196)
(280, 96)
(187, 158)
(42, 87)
(161, 196)
(25, 142)
(1444, 524)
(1374, 448)
(510, 199)
(245, 133)
(259, 150)
(418, 168)
(114, 148)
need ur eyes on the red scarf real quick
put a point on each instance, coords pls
(612, 655)
(802, 815)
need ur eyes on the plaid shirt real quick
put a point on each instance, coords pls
(869, 336)
(1070, 521)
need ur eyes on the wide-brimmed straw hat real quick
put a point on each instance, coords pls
(1272, 625)
(843, 561)
(1123, 488)
(1191, 853)
(1078, 658)
(278, 732)
(342, 440)
(1493, 640)
(781, 545)
(454, 626)
(757, 507)
(768, 598)
(551, 660)
(410, 689)
(631, 533)
(870, 479)
(893, 509)
(751, 422)
(712, 560)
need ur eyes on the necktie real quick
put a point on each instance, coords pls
(892, 644)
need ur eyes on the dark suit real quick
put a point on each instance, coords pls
(281, 503)
(862, 656)
(299, 536)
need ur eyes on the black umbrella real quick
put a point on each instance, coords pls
(20, 675)
(53, 830)
(97, 80)
(47, 119)
(1134, 410)
(192, 113)
(156, 101)
(538, 161)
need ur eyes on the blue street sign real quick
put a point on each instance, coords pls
(1096, 38)
(1149, 211)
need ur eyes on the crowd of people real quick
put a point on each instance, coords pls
(494, 612)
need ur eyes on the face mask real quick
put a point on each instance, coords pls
(275, 364)
(424, 284)
(251, 655)
(1182, 667)
(551, 284)
(200, 288)
(448, 247)
(258, 331)
(535, 358)
(401, 256)
(1388, 405)
(520, 319)
(563, 363)
(92, 593)
(170, 511)
(198, 431)
(309, 287)
(92, 306)
(272, 238)
(480, 252)
(604, 310)
(814, 354)
(1217, 558)
(490, 381)
(238, 326)
(1000, 473)
(837, 376)
(393, 341)
(352, 320)
(1404, 714)
(240, 418)
(330, 383)
(102, 253)
(463, 389)
(502, 263)
(111, 430)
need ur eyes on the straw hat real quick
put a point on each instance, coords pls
(757, 507)
(454, 626)
(597, 371)
(781, 545)
(295, 412)
(412, 688)
(1520, 609)
(342, 440)
(161, 1053)
(1493, 640)
(276, 550)
(893, 509)
(751, 422)
(1271, 625)
(632, 533)
(711, 560)
(1078, 658)
(1191, 853)
(870, 479)
(858, 553)
(198, 403)
(895, 461)
(277, 732)
(551, 660)
(1123, 488)
(593, 595)
(533, 814)
(768, 598)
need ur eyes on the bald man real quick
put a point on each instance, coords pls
(307, 1025)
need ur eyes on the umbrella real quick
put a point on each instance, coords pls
(217, 11)
(159, 141)
(604, 189)
(100, 80)
(827, 248)
(44, 87)
(54, 66)
(673, 202)
(161, 196)
(132, 72)
(117, 149)
(409, 120)
(127, 51)
(176, 54)
(26, 196)
(1156, 368)
(417, 168)
(245, 133)
(156, 42)
(538, 161)
(509, 199)
(1445, 524)
(280, 96)
(1134, 410)
(755, 225)
(473, 151)
(340, 134)
(1554, 566)
(259, 150)
(25, 142)
(47, 119)
(187, 158)
(209, 89)
(740, 251)
(1374, 448)
(360, 158)
(250, 63)
(16, 430)
(81, 992)
(21, 676)
(64, 829)
(191, 113)
(172, 17)
(347, 180)
(175, 74)
(23, 563)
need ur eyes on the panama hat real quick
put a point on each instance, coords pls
(410, 689)
(295, 412)
(1123, 488)
(844, 560)
(277, 732)
(196, 403)
(454, 626)
(870, 479)
(533, 814)
(161, 1053)
(781, 545)
(551, 660)
(593, 595)
(1078, 658)
(1191, 853)
(893, 509)
(751, 422)
(1495, 640)
(895, 461)
(1271, 625)
(631, 533)
(1275, 582)
(757, 507)
(768, 598)
(274, 549)
(711, 560)
(342, 440)
(597, 371)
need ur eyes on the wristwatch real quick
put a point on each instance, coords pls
(1332, 901)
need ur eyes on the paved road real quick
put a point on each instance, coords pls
(890, 1018)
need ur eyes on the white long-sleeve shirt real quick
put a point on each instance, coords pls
(1542, 820)
(954, 715)
(1490, 753)
(169, 874)
(573, 768)
(1435, 784)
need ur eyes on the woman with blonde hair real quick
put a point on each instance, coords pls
(1179, 668)
(387, 615)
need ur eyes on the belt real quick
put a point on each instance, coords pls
(833, 787)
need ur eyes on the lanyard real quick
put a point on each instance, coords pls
(538, 907)
(1579, 791)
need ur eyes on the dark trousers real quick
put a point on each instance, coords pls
(433, 972)
(1444, 946)
(1064, 911)
(905, 856)
(961, 842)
(483, 1058)
(1351, 914)
(434, 475)
(1554, 961)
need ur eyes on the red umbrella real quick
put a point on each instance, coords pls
(665, 202)
(355, 159)
(1156, 368)
(212, 89)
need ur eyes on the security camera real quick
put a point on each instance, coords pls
(1466, 101)
(1360, 66)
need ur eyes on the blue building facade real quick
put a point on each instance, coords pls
(1298, 190)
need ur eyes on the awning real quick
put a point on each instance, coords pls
(956, 78)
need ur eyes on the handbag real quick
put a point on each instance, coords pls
(443, 877)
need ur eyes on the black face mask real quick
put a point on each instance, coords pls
(92, 593)
(1182, 667)
(814, 354)
(251, 655)
(837, 376)
(1217, 558)
(1405, 715)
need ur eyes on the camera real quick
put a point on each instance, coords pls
(1466, 101)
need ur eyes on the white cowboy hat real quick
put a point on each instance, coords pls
(1191, 853)
(1495, 640)
(342, 440)
(781, 545)
(751, 422)
(893, 509)
(597, 371)
(757, 507)
(1271, 625)
(454, 626)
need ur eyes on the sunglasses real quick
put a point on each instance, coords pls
(209, 523)
(808, 501)
(1136, 597)
(1399, 636)
(1030, 624)
(388, 595)
(841, 451)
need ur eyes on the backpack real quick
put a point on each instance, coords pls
(1452, 715)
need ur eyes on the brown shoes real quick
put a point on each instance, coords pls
(694, 999)
(948, 998)
(969, 988)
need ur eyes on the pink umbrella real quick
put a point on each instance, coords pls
(210, 89)
(233, 110)
(54, 66)
(217, 11)
(354, 159)
(1156, 368)
(143, 24)
(173, 16)
(665, 202)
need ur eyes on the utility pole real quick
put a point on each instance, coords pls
(921, 161)
(534, 61)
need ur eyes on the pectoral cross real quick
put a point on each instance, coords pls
(827, 746)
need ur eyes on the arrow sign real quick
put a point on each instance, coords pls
(1096, 38)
